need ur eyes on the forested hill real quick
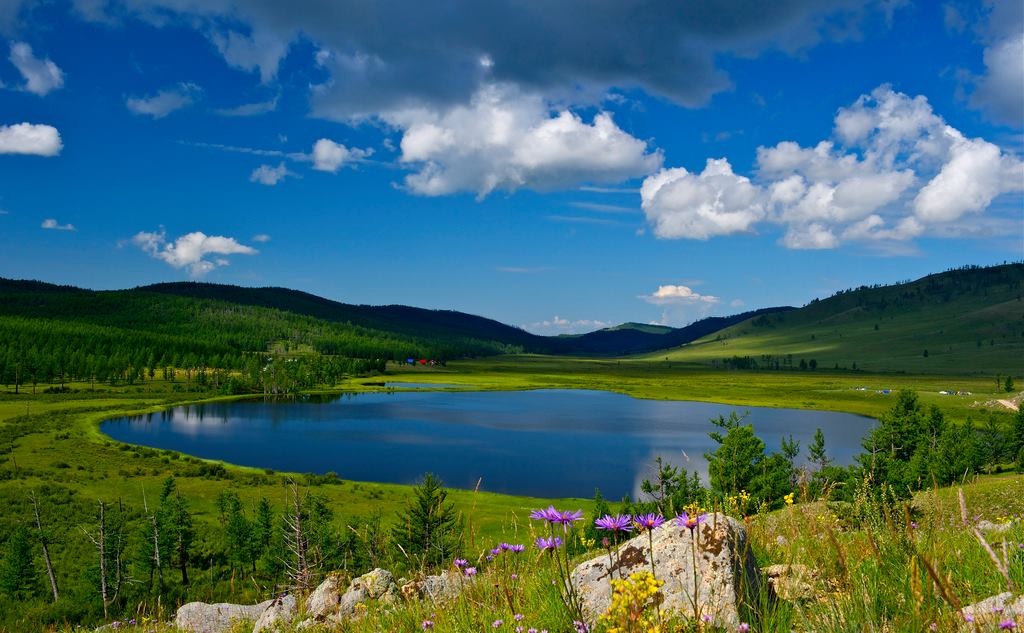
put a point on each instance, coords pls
(969, 320)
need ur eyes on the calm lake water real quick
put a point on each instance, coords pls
(548, 443)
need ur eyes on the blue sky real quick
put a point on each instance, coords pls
(556, 167)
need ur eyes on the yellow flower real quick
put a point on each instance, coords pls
(789, 499)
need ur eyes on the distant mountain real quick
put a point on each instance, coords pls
(956, 322)
(272, 314)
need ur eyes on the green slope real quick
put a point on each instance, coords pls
(969, 321)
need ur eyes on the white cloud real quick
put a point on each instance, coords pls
(894, 171)
(331, 156)
(53, 225)
(261, 237)
(680, 204)
(191, 250)
(261, 51)
(270, 176)
(165, 101)
(999, 91)
(508, 140)
(677, 294)
(28, 138)
(41, 75)
(558, 325)
(250, 109)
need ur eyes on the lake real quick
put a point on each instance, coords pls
(545, 443)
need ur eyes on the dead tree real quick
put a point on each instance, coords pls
(297, 544)
(109, 589)
(157, 566)
(44, 541)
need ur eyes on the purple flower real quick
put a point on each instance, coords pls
(648, 521)
(517, 548)
(550, 515)
(497, 623)
(518, 617)
(427, 625)
(470, 571)
(548, 544)
(580, 627)
(460, 562)
(568, 518)
(504, 547)
(743, 628)
(514, 576)
(691, 522)
(968, 617)
(617, 523)
(1007, 625)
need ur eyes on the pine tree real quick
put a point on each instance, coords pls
(816, 451)
(17, 573)
(429, 530)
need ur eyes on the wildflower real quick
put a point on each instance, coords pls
(648, 521)
(514, 577)
(1007, 625)
(495, 551)
(518, 617)
(470, 571)
(497, 624)
(460, 562)
(519, 629)
(691, 522)
(706, 617)
(743, 628)
(547, 544)
(580, 627)
(550, 515)
(568, 518)
(789, 499)
(517, 548)
(427, 625)
(617, 523)
(968, 617)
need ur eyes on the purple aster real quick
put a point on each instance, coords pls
(470, 571)
(517, 548)
(550, 515)
(427, 625)
(743, 628)
(496, 551)
(496, 624)
(1007, 625)
(691, 522)
(548, 544)
(648, 521)
(518, 617)
(617, 523)
(460, 562)
(568, 518)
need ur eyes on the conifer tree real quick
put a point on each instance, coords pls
(429, 530)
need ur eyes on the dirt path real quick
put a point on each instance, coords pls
(1009, 404)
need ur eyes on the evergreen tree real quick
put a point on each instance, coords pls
(428, 530)
(733, 466)
(816, 451)
(18, 578)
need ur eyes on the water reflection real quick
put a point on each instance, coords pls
(549, 443)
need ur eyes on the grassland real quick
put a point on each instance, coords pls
(950, 324)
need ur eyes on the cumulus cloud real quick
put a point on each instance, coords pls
(330, 156)
(191, 250)
(999, 91)
(270, 176)
(894, 170)
(698, 206)
(31, 139)
(677, 294)
(164, 101)
(259, 51)
(558, 325)
(508, 140)
(41, 75)
(54, 225)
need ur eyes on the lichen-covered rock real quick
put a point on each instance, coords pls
(726, 573)
(325, 598)
(992, 611)
(277, 615)
(200, 617)
(328, 603)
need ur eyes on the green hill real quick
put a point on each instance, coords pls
(963, 321)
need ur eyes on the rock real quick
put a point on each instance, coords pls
(200, 617)
(445, 586)
(327, 603)
(325, 598)
(724, 576)
(791, 582)
(280, 612)
(992, 611)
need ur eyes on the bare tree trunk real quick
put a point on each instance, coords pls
(156, 546)
(46, 550)
(298, 566)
